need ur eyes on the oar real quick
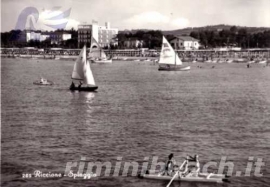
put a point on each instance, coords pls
(182, 164)
(172, 179)
(176, 173)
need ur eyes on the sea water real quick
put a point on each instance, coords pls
(137, 113)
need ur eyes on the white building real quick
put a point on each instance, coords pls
(185, 42)
(31, 35)
(55, 37)
(104, 35)
(133, 43)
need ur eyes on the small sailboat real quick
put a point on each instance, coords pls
(83, 73)
(96, 54)
(169, 60)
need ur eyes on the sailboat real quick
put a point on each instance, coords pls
(83, 73)
(169, 60)
(96, 54)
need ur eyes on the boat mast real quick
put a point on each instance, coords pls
(175, 58)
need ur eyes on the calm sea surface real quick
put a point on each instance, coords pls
(137, 112)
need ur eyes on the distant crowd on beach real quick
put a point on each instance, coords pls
(188, 56)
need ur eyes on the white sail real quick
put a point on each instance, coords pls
(168, 55)
(82, 70)
(95, 50)
(78, 72)
(88, 75)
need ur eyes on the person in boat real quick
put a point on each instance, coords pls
(185, 171)
(72, 85)
(80, 85)
(169, 165)
(43, 80)
(194, 164)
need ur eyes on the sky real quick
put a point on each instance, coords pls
(133, 14)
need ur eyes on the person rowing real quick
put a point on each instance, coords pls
(168, 169)
(195, 165)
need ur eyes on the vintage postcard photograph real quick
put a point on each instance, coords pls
(135, 93)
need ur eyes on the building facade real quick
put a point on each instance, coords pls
(104, 35)
(133, 43)
(84, 35)
(107, 35)
(59, 37)
(185, 42)
(56, 37)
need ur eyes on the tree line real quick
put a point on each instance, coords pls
(151, 39)
(234, 37)
(17, 38)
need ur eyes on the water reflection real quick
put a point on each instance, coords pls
(84, 99)
(89, 98)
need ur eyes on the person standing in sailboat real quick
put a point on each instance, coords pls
(80, 85)
(72, 85)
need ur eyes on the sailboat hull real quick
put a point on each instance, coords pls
(85, 89)
(103, 61)
(47, 83)
(173, 68)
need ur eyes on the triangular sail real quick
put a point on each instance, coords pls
(78, 66)
(88, 78)
(82, 70)
(95, 50)
(168, 55)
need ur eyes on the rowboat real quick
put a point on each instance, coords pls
(43, 82)
(184, 176)
(202, 177)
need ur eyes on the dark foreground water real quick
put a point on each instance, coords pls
(137, 112)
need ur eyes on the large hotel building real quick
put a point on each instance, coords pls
(104, 35)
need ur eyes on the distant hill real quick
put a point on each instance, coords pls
(187, 31)
(133, 31)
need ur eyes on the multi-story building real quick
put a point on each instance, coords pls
(56, 37)
(104, 35)
(185, 42)
(84, 35)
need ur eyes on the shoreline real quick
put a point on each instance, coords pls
(142, 59)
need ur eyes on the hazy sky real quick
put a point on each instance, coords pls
(144, 14)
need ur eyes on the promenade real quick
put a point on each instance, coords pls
(185, 55)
